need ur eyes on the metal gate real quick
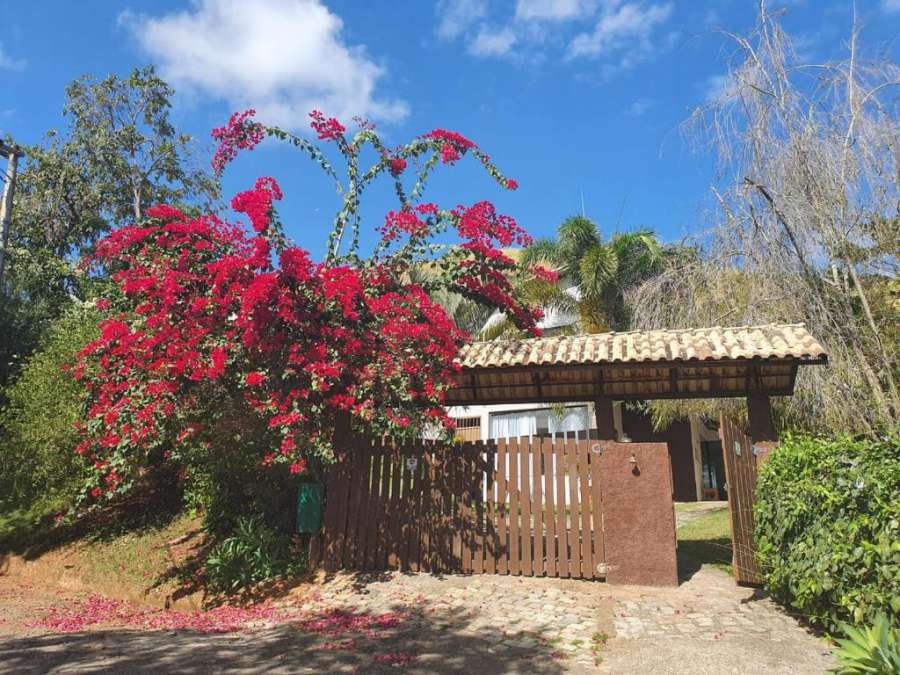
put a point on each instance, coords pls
(740, 473)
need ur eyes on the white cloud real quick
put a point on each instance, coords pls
(640, 107)
(711, 19)
(282, 57)
(627, 28)
(719, 88)
(890, 5)
(553, 10)
(621, 33)
(457, 16)
(489, 42)
(9, 63)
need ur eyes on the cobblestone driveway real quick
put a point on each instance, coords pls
(469, 624)
(706, 625)
(709, 625)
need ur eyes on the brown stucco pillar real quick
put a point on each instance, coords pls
(606, 426)
(638, 513)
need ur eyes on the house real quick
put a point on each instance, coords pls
(694, 447)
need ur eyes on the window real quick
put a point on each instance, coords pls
(571, 422)
(468, 428)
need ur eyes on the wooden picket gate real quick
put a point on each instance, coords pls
(521, 507)
(740, 473)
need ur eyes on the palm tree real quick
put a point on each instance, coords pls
(594, 274)
(594, 277)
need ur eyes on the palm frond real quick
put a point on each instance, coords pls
(546, 295)
(576, 235)
(501, 329)
(541, 252)
(597, 270)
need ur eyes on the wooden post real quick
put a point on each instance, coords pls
(6, 203)
(697, 454)
(606, 427)
(762, 429)
(328, 544)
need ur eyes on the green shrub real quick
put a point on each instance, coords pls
(38, 437)
(828, 528)
(252, 554)
(875, 649)
(226, 482)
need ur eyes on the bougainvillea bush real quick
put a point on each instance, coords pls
(223, 338)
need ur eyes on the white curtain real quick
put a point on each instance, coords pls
(574, 424)
(513, 425)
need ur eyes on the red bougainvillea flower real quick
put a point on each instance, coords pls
(254, 379)
(212, 326)
(257, 203)
(544, 274)
(327, 128)
(240, 133)
(453, 145)
(397, 166)
(403, 222)
(451, 137)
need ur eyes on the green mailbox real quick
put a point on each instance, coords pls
(309, 507)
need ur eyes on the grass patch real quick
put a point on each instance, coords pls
(124, 544)
(136, 558)
(706, 541)
(687, 507)
(130, 552)
(21, 527)
(30, 531)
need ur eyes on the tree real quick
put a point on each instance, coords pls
(207, 345)
(119, 153)
(122, 131)
(37, 425)
(600, 272)
(808, 226)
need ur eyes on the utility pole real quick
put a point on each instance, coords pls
(12, 154)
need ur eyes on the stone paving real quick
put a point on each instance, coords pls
(709, 625)
(516, 616)
(453, 624)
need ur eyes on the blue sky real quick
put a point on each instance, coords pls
(570, 97)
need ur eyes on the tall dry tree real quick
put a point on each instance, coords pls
(807, 227)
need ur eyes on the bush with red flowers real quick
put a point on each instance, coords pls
(219, 335)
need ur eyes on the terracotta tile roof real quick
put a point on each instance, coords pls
(699, 344)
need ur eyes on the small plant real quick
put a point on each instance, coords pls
(598, 642)
(252, 554)
(874, 649)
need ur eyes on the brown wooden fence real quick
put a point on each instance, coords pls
(519, 507)
(740, 474)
